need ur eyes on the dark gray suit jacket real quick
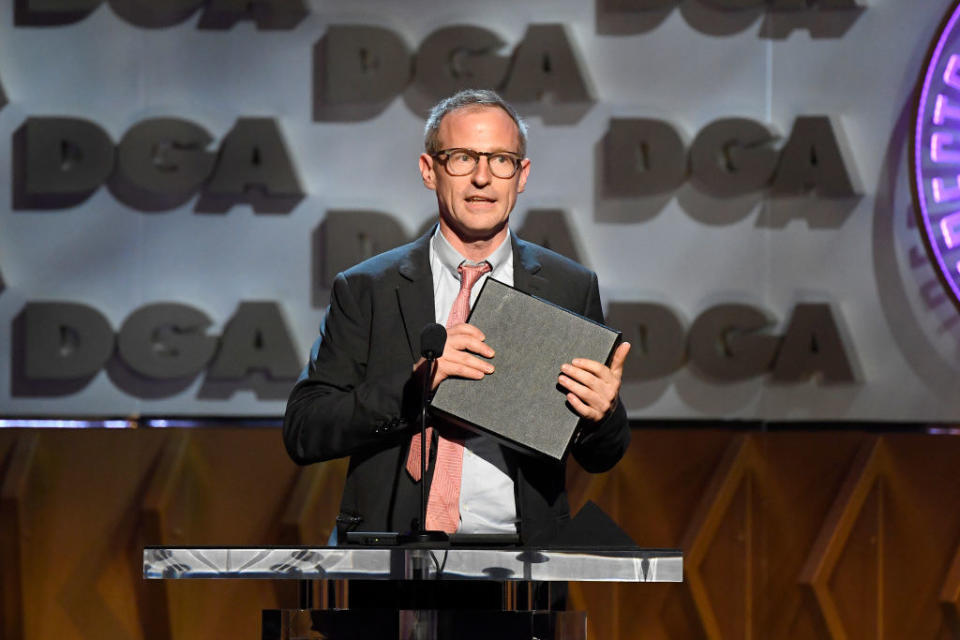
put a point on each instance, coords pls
(359, 398)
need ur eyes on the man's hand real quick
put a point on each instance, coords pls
(593, 386)
(457, 360)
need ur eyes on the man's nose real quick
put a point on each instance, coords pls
(481, 173)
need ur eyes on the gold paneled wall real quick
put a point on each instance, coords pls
(786, 535)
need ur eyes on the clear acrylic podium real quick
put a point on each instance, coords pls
(417, 568)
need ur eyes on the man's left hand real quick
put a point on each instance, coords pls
(592, 385)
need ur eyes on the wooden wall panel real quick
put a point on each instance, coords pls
(16, 462)
(789, 535)
(921, 535)
(756, 512)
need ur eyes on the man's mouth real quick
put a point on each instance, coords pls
(480, 199)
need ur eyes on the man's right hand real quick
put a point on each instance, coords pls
(458, 359)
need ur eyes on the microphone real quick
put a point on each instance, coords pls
(432, 338)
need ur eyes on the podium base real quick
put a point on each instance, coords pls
(407, 624)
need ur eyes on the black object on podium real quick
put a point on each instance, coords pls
(592, 528)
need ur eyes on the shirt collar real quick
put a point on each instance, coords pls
(451, 259)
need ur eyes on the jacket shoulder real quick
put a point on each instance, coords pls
(553, 262)
(388, 262)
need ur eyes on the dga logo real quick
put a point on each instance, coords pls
(936, 155)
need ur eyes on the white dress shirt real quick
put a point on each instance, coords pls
(487, 497)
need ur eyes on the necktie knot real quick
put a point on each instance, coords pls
(469, 274)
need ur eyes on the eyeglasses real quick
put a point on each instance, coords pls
(461, 162)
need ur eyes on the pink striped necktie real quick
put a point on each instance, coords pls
(443, 505)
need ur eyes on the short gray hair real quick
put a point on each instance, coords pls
(469, 98)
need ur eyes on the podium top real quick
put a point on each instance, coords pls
(403, 563)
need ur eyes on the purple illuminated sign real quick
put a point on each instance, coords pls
(936, 154)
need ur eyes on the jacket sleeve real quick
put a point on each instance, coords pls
(600, 445)
(335, 410)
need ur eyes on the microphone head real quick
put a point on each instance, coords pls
(432, 338)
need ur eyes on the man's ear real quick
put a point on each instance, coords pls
(524, 172)
(427, 171)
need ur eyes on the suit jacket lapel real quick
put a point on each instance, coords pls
(526, 268)
(415, 291)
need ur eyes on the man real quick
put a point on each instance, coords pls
(360, 396)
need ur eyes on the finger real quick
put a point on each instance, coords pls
(463, 370)
(450, 369)
(464, 359)
(583, 410)
(468, 343)
(465, 329)
(594, 367)
(598, 368)
(471, 339)
(589, 396)
(454, 371)
(619, 357)
(582, 376)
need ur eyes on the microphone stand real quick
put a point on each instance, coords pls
(422, 537)
(422, 522)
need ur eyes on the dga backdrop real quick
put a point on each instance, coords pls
(186, 178)
(766, 188)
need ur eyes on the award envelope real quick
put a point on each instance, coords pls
(521, 403)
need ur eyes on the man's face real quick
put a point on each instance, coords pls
(475, 206)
